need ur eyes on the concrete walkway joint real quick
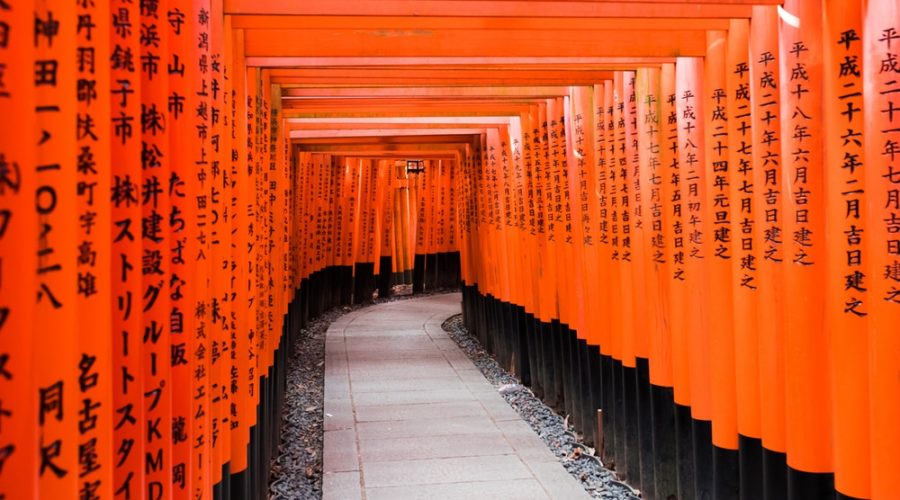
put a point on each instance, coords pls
(408, 416)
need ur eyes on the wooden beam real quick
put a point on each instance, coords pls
(418, 77)
(478, 23)
(382, 132)
(363, 107)
(388, 139)
(400, 128)
(413, 92)
(600, 63)
(418, 120)
(472, 43)
(423, 82)
(390, 149)
(387, 155)
(494, 8)
(433, 102)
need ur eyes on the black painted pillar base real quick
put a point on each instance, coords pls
(524, 358)
(385, 274)
(443, 270)
(418, 277)
(645, 423)
(335, 287)
(535, 351)
(407, 278)
(222, 489)
(703, 459)
(363, 282)
(751, 467)
(431, 268)
(596, 375)
(608, 396)
(455, 269)
(803, 485)
(726, 471)
(568, 373)
(685, 451)
(632, 438)
(665, 467)
(345, 278)
(588, 410)
(618, 419)
(774, 474)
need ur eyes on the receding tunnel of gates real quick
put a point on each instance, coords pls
(712, 214)
(388, 221)
(673, 274)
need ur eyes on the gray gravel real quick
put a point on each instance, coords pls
(552, 428)
(296, 470)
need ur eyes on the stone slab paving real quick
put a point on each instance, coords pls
(408, 416)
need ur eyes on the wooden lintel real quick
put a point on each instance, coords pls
(496, 8)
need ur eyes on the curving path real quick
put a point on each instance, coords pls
(407, 415)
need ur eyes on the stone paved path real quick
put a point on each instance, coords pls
(408, 416)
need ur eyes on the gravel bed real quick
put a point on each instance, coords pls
(552, 428)
(296, 470)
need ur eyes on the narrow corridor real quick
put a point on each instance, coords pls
(676, 221)
(407, 415)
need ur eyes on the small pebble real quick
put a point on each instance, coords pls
(510, 388)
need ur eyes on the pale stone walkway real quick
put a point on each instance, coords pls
(407, 415)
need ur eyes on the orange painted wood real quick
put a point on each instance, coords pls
(689, 107)
(453, 192)
(846, 234)
(602, 118)
(183, 149)
(615, 147)
(719, 241)
(241, 404)
(562, 198)
(155, 264)
(808, 389)
(394, 140)
(675, 235)
(199, 185)
(745, 245)
(579, 158)
(768, 194)
(530, 225)
(219, 247)
(611, 97)
(385, 214)
(284, 66)
(882, 184)
(468, 43)
(343, 216)
(255, 240)
(584, 137)
(550, 300)
(128, 397)
(398, 23)
(633, 328)
(94, 264)
(640, 210)
(19, 444)
(55, 174)
(653, 203)
(414, 92)
(489, 8)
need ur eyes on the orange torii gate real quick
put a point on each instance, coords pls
(685, 214)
